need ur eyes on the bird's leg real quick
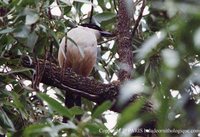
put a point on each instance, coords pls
(69, 98)
(69, 102)
(78, 103)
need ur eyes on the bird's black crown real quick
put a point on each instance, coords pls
(102, 32)
(92, 26)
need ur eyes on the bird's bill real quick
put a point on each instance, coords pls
(106, 34)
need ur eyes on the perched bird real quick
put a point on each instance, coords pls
(79, 52)
(81, 48)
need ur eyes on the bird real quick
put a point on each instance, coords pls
(81, 48)
(79, 51)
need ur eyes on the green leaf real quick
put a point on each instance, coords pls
(170, 58)
(83, 1)
(16, 100)
(130, 88)
(76, 110)
(23, 3)
(56, 42)
(2, 61)
(55, 105)
(22, 32)
(151, 45)
(67, 2)
(33, 129)
(5, 121)
(97, 128)
(105, 16)
(53, 130)
(31, 19)
(130, 113)
(67, 9)
(93, 128)
(31, 16)
(102, 108)
(8, 30)
(32, 39)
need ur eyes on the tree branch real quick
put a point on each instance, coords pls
(91, 89)
(82, 86)
(139, 18)
(124, 40)
(76, 84)
(91, 11)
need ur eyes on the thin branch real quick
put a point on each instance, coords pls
(91, 12)
(49, 13)
(115, 5)
(105, 41)
(139, 18)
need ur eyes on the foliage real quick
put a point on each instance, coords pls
(166, 58)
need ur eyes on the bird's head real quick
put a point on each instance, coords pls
(98, 30)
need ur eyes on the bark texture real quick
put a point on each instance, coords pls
(78, 85)
(124, 39)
